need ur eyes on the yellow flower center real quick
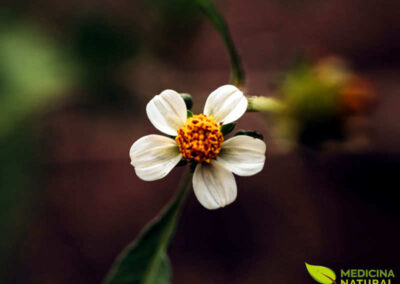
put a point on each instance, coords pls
(200, 139)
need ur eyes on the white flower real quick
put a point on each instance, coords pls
(199, 139)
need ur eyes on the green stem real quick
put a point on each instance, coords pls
(176, 206)
(265, 104)
(221, 26)
(142, 260)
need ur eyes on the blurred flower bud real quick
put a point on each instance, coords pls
(357, 96)
(332, 70)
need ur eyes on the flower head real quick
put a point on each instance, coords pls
(198, 139)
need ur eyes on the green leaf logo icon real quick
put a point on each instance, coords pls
(321, 274)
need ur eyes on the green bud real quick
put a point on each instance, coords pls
(188, 100)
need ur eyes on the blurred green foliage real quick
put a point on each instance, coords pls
(170, 24)
(101, 47)
(33, 70)
(103, 44)
(18, 173)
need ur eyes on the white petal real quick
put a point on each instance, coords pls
(154, 156)
(243, 155)
(226, 104)
(213, 185)
(167, 112)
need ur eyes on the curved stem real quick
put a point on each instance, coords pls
(175, 206)
(145, 259)
(184, 189)
(221, 26)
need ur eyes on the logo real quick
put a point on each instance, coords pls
(325, 275)
(321, 274)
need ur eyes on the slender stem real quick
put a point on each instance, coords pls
(142, 258)
(176, 205)
(265, 104)
(221, 26)
(184, 189)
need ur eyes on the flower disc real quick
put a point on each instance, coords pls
(200, 139)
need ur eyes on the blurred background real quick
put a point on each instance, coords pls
(75, 77)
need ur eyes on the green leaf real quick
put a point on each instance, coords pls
(145, 261)
(321, 274)
(220, 25)
(189, 113)
(164, 271)
(227, 128)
